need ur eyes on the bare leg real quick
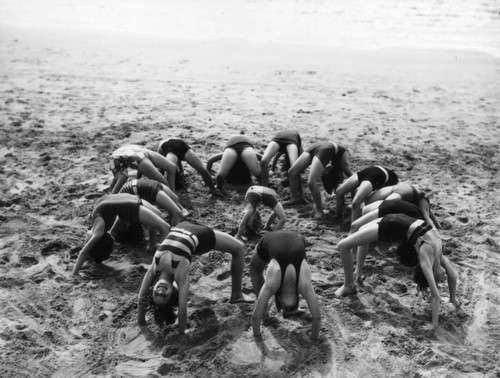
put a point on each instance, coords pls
(364, 190)
(360, 262)
(226, 243)
(194, 161)
(229, 158)
(271, 150)
(171, 177)
(312, 182)
(300, 165)
(357, 224)
(380, 194)
(166, 203)
(164, 164)
(365, 235)
(147, 169)
(249, 157)
(149, 218)
(293, 153)
(347, 186)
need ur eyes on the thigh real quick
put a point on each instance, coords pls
(364, 219)
(249, 157)
(300, 165)
(165, 202)
(316, 170)
(161, 161)
(227, 161)
(293, 152)
(226, 243)
(366, 234)
(193, 160)
(149, 218)
(271, 150)
(348, 185)
(172, 157)
(363, 191)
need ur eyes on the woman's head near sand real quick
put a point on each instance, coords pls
(162, 292)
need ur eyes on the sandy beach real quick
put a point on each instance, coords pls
(70, 96)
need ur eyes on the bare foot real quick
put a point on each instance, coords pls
(344, 291)
(243, 298)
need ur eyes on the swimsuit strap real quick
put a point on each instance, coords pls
(336, 147)
(421, 230)
(385, 172)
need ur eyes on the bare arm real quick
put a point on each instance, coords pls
(212, 160)
(265, 293)
(271, 286)
(306, 289)
(249, 210)
(257, 266)
(119, 180)
(452, 279)
(143, 295)
(182, 279)
(279, 213)
(426, 266)
(97, 233)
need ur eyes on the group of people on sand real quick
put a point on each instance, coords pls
(382, 209)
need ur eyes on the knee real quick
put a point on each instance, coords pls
(238, 250)
(356, 204)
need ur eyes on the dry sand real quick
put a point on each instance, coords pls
(67, 101)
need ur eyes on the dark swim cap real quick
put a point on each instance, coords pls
(102, 249)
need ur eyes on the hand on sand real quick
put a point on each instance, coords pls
(344, 291)
(243, 298)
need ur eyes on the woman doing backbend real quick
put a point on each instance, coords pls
(328, 157)
(288, 143)
(169, 270)
(255, 195)
(287, 276)
(399, 228)
(107, 210)
(236, 162)
(363, 183)
(147, 163)
(176, 150)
